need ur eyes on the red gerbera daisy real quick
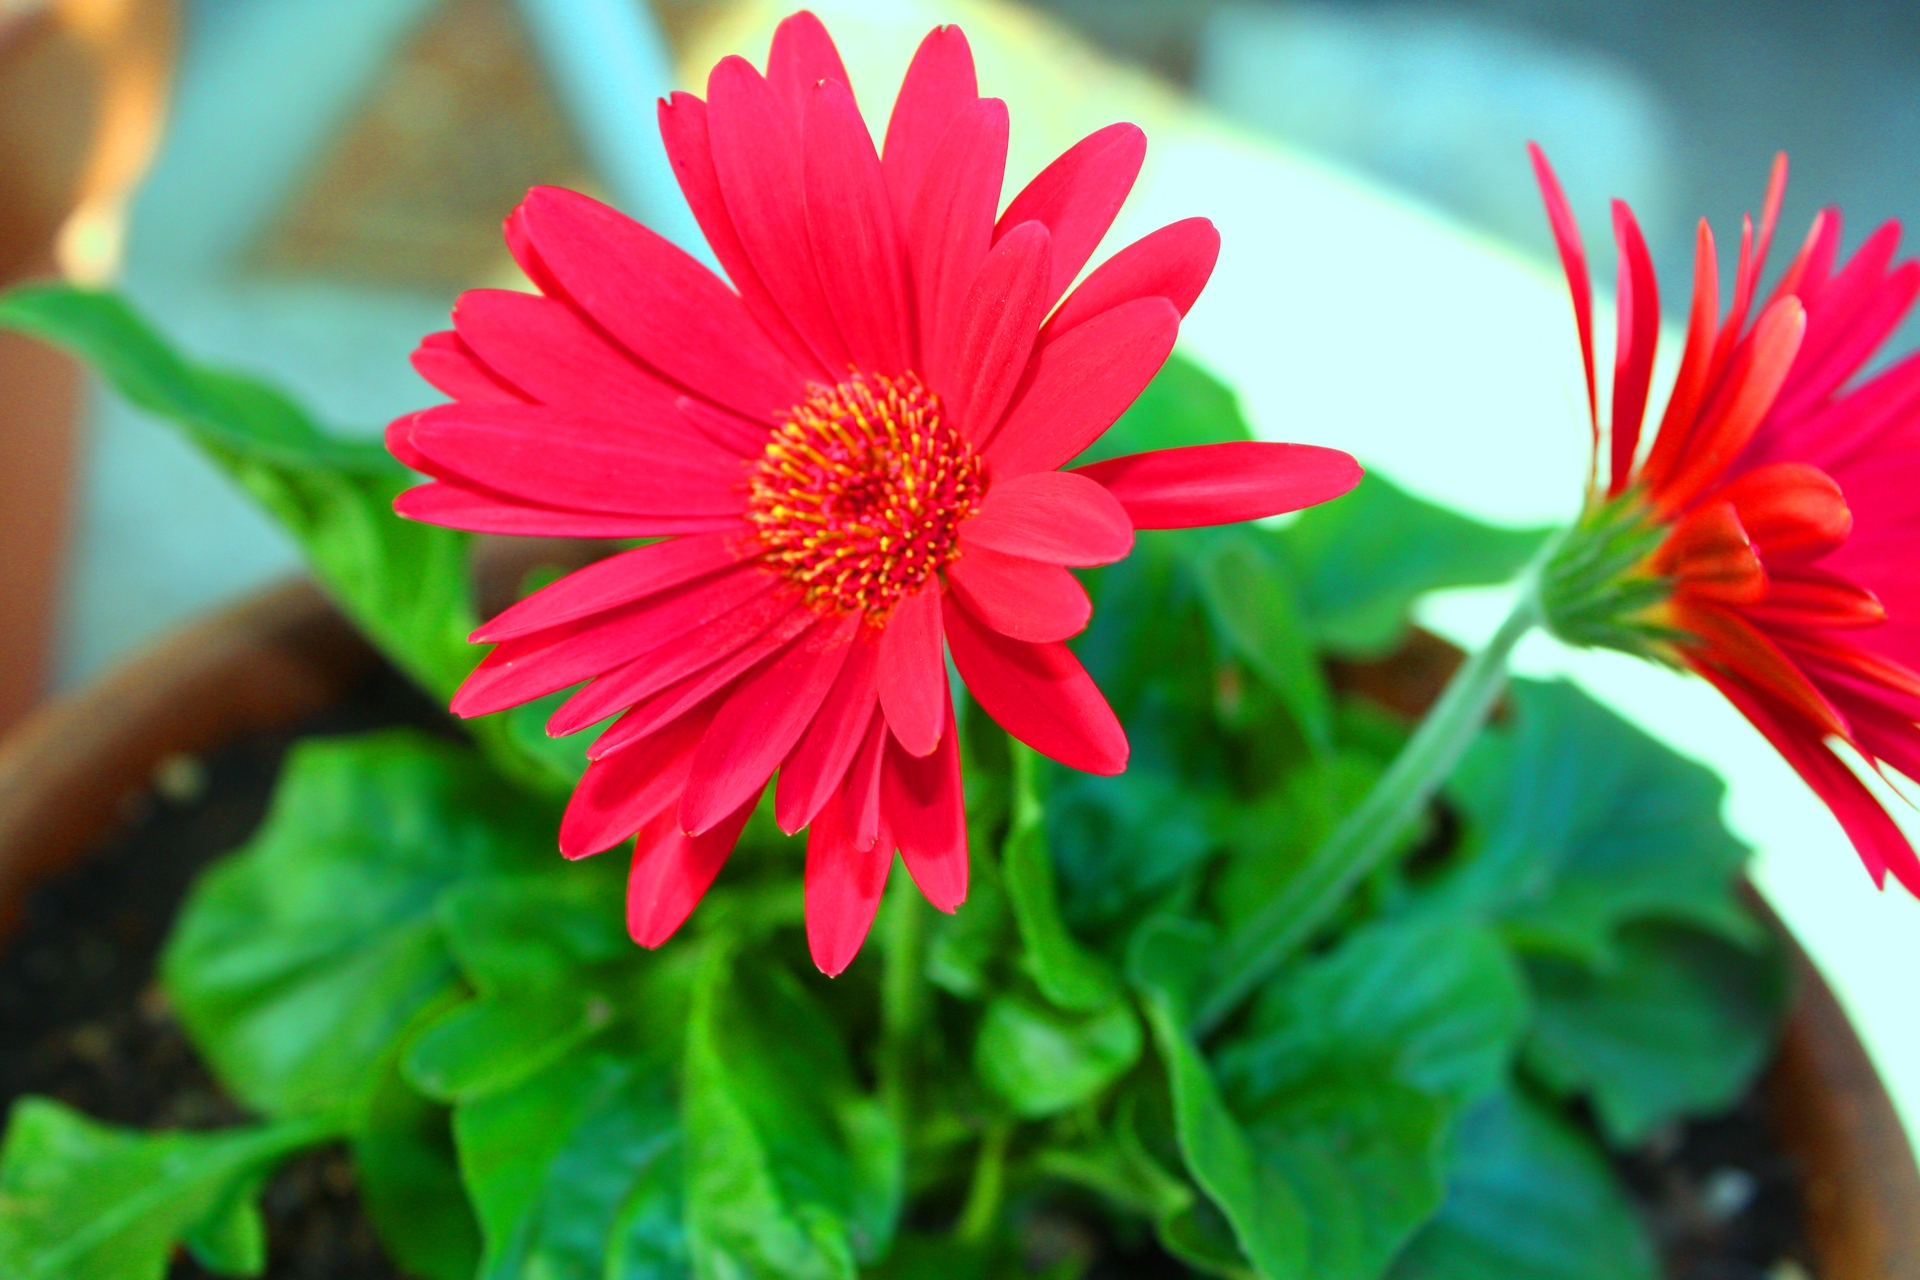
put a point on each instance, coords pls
(1768, 537)
(854, 454)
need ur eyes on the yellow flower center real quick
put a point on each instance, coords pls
(861, 492)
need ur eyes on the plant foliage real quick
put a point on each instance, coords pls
(399, 959)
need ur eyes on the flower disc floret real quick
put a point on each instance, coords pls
(861, 491)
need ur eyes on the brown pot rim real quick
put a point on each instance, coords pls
(283, 654)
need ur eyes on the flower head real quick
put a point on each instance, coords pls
(853, 457)
(1767, 536)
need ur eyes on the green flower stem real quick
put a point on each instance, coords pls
(903, 991)
(1257, 949)
(981, 1215)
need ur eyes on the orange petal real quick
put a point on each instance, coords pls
(1708, 552)
(1690, 384)
(1789, 508)
(1729, 641)
(1814, 598)
(1760, 370)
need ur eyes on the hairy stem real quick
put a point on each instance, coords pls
(1257, 949)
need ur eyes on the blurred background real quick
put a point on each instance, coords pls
(301, 188)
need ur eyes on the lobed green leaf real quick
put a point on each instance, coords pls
(80, 1200)
(1528, 1196)
(1360, 561)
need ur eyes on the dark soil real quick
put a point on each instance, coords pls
(81, 1020)
(1722, 1199)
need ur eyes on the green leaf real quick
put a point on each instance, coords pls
(1528, 1198)
(545, 955)
(296, 963)
(1042, 1061)
(1353, 1065)
(1270, 839)
(1183, 405)
(1066, 973)
(403, 582)
(965, 944)
(1115, 1163)
(1119, 844)
(1579, 823)
(1251, 599)
(577, 1171)
(1679, 1025)
(232, 1239)
(1267, 1219)
(86, 1201)
(930, 1257)
(1146, 609)
(1360, 561)
(1431, 1001)
(791, 1170)
(409, 1180)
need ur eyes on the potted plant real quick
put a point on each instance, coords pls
(1301, 991)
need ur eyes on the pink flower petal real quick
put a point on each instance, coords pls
(850, 225)
(1876, 837)
(1057, 517)
(458, 507)
(1172, 263)
(949, 227)
(622, 793)
(803, 55)
(526, 256)
(546, 348)
(860, 789)
(1080, 383)
(1039, 693)
(1849, 321)
(672, 872)
(551, 458)
(683, 128)
(1205, 484)
(760, 722)
(536, 664)
(939, 86)
(757, 159)
(452, 368)
(618, 580)
(912, 675)
(1024, 599)
(992, 342)
(675, 653)
(677, 700)
(1077, 197)
(817, 766)
(659, 303)
(397, 438)
(845, 881)
(924, 809)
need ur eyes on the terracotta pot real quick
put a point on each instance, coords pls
(82, 97)
(284, 654)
